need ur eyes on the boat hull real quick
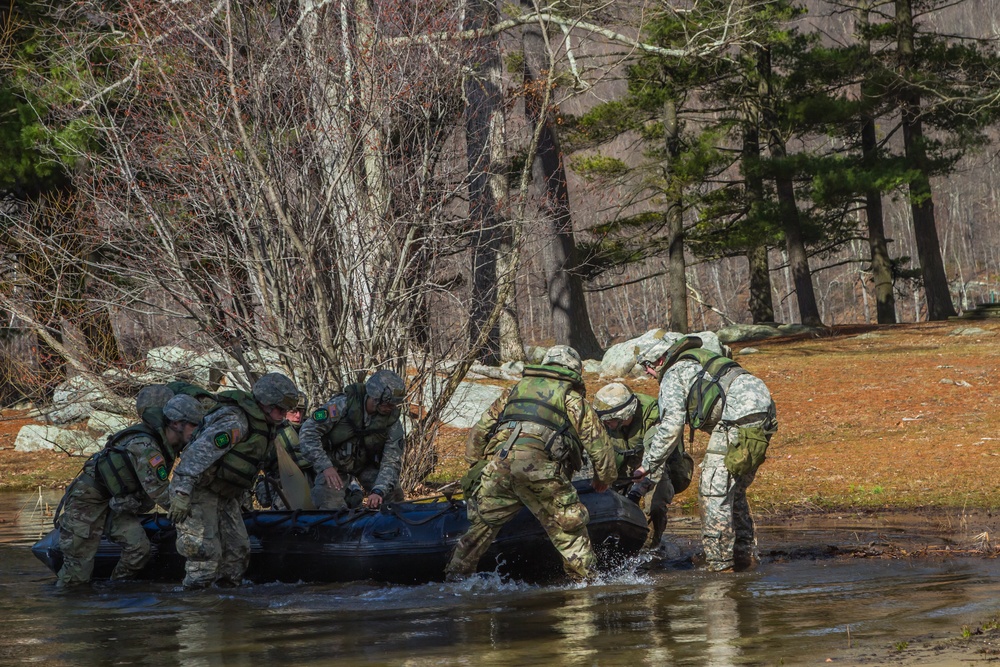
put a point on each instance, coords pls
(402, 543)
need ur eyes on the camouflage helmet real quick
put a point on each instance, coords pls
(303, 402)
(152, 396)
(615, 401)
(564, 355)
(184, 408)
(665, 349)
(386, 387)
(276, 389)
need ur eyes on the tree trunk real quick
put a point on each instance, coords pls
(939, 305)
(885, 299)
(484, 127)
(567, 302)
(677, 269)
(761, 304)
(789, 210)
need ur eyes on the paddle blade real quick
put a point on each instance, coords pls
(294, 484)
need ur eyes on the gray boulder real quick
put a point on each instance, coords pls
(467, 405)
(74, 400)
(40, 437)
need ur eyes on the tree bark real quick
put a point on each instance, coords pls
(677, 269)
(761, 303)
(885, 299)
(939, 304)
(567, 301)
(789, 210)
(488, 190)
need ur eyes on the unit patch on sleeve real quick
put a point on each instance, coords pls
(159, 467)
(222, 440)
(321, 415)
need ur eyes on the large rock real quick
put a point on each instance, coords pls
(74, 400)
(202, 368)
(38, 437)
(106, 423)
(620, 359)
(467, 405)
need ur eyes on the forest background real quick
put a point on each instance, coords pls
(330, 188)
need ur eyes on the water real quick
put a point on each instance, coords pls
(800, 610)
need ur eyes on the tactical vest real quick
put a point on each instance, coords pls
(236, 471)
(540, 398)
(113, 467)
(351, 445)
(707, 397)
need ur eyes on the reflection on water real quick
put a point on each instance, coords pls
(795, 612)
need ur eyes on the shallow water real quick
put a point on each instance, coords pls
(799, 610)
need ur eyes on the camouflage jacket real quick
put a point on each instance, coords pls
(203, 451)
(582, 416)
(747, 395)
(313, 432)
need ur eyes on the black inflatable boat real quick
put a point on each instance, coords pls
(400, 543)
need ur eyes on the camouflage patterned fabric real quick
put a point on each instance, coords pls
(632, 437)
(85, 514)
(384, 476)
(728, 528)
(214, 540)
(212, 537)
(528, 477)
(85, 517)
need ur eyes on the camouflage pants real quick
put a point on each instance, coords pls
(355, 489)
(85, 517)
(727, 534)
(526, 478)
(656, 510)
(214, 540)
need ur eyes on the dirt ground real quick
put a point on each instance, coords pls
(902, 416)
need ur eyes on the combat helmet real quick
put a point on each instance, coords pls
(152, 396)
(565, 356)
(276, 389)
(662, 349)
(184, 408)
(386, 387)
(615, 401)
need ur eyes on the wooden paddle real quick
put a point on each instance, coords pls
(294, 484)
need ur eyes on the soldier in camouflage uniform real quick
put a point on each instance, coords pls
(128, 476)
(534, 437)
(217, 470)
(355, 444)
(631, 420)
(742, 408)
(288, 437)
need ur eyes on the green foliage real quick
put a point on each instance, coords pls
(599, 166)
(35, 146)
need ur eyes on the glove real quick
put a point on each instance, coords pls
(639, 489)
(180, 507)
